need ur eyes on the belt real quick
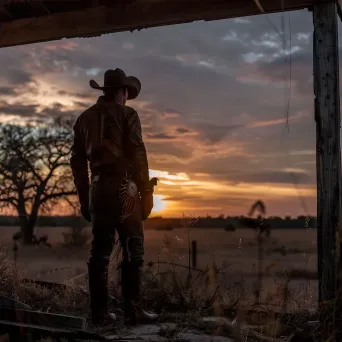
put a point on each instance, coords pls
(108, 170)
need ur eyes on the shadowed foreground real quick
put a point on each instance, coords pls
(235, 275)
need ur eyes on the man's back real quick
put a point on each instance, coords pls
(102, 130)
(108, 134)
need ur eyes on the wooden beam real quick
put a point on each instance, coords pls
(38, 7)
(17, 331)
(339, 8)
(328, 156)
(130, 15)
(42, 318)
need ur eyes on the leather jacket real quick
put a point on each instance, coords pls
(105, 135)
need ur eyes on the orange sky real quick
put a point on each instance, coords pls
(175, 192)
(178, 194)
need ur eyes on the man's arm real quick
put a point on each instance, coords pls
(137, 151)
(79, 167)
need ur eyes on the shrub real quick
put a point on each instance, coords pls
(77, 236)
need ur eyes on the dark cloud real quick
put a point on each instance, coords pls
(58, 110)
(213, 207)
(160, 136)
(85, 95)
(183, 198)
(34, 110)
(82, 105)
(214, 133)
(7, 91)
(274, 177)
(16, 76)
(171, 111)
(182, 130)
(18, 109)
(168, 152)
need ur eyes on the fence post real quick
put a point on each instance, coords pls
(328, 165)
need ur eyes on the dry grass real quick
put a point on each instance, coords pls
(71, 298)
(182, 295)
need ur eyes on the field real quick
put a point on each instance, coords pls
(291, 252)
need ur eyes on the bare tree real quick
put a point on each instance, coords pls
(34, 171)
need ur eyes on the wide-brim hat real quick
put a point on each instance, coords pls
(116, 79)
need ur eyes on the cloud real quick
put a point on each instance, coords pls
(17, 76)
(182, 130)
(18, 109)
(58, 110)
(274, 177)
(213, 133)
(165, 154)
(160, 136)
(183, 198)
(7, 91)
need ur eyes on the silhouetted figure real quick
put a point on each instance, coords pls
(108, 136)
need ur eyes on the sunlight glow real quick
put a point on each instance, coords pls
(181, 176)
(241, 188)
(159, 204)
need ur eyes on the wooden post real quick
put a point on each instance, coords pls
(328, 158)
(194, 253)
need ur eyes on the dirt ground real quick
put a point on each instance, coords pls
(237, 252)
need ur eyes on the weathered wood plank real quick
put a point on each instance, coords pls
(17, 329)
(8, 302)
(42, 318)
(339, 8)
(328, 154)
(132, 15)
(45, 284)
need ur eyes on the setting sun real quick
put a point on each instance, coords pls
(159, 204)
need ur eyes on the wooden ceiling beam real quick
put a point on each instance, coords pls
(129, 15)
(38, 7)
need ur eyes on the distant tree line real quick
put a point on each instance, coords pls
(299, 222)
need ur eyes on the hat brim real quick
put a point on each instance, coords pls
(132, 84)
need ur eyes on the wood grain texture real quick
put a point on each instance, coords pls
(328, 153)
(129, 15)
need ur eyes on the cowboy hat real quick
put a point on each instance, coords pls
(115, 79)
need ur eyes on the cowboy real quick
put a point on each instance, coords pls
(108, 136)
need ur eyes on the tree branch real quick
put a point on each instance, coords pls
(58, 195)
(34, 167)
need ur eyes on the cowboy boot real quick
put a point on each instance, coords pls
(134, 313)
(98, 288)
(126, 289)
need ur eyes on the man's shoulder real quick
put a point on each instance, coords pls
(84, 115)
(89, 110)
(130, 112)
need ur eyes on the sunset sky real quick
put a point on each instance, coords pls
(212, 106)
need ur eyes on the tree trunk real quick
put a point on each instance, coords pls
(28, 222)
(27, 234)
(26, 228)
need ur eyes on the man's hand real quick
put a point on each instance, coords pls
(147, 198)
(147, 204)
